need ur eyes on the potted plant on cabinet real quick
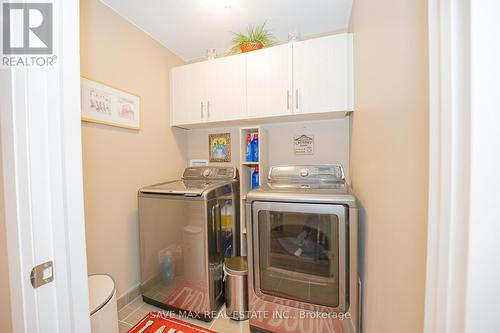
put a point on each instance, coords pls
(256, 38)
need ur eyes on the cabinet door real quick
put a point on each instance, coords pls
(226, 88)
(322, 74)
(269, 81)
(188, 94)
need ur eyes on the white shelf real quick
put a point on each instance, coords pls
(246, 169)
(269, 120)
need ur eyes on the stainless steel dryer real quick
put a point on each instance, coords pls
(186, 229)
(302, 251)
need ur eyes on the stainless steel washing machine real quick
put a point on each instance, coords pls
(302, 250)
(187, 228)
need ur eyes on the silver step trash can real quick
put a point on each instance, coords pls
(236, 287)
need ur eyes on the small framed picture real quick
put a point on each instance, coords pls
(219, 147)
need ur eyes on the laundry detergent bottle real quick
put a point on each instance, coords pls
(255, 177)
(255, 147)
(249, 148)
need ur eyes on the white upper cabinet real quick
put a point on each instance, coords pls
(311, 79)
(322, 74)
(188, 94)
(269, 82)
(209, 91)
(226, 88)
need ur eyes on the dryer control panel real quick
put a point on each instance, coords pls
(307, 173)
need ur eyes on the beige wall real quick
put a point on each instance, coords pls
(331, 142)
(5, 319)
(389, 159)
(117, 162)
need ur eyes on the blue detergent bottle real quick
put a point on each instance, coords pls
(255, 177)
(255, 147)
(249, 148)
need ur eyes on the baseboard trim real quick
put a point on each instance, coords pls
(129, 296)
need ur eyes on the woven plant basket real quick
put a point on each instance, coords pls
(252, 46)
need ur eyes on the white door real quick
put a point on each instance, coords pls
(189, 102)
(269, 82)
(226, 88)
(322, 74)
(463, 246)
(42, 176)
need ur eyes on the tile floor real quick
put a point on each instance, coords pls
(130, 314)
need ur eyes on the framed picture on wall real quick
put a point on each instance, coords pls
(103, 104)
(219, 147)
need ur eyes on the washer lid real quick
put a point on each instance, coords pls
(180, 187)
(101, 289)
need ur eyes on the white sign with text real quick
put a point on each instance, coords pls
(303, 144)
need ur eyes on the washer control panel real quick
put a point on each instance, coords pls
(210, 173)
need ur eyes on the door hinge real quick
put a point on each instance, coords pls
(42, 274)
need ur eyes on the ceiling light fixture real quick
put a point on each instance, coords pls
(219, 4)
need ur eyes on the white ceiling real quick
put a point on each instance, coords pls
(189, 27)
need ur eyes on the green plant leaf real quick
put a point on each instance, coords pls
(254, 34)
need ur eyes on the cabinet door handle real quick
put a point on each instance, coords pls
(288, 100)
(208, 109)
(201, 110)
(297, 99)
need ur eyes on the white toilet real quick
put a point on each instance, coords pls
(102, 304)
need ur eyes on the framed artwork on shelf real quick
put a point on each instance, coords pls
(219, 147)
(103, 104)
